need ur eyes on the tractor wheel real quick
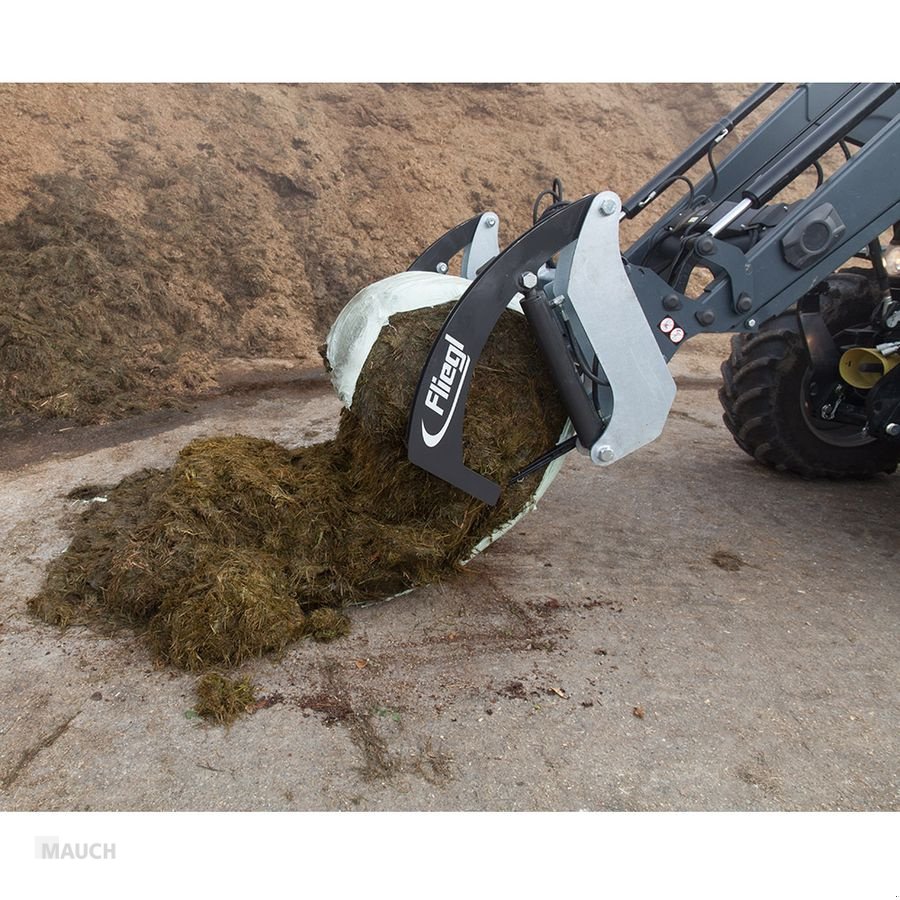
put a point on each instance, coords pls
(766, 396)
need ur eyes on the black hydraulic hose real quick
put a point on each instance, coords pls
(586, 370)
(696, 151)
(581, 410)
(846, 117)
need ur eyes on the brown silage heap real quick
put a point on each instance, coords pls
(244, 546)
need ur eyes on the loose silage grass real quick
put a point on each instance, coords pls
(244, 546)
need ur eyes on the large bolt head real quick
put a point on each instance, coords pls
(608, 206)
(528, 281)
(606, 454)
(893, 429)
(442, 268)
(490, 221)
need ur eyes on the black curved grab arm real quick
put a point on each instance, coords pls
(446, 246)
(435, 431)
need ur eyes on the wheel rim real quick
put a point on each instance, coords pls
(837, 434)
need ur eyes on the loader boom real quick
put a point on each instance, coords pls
(607, 321)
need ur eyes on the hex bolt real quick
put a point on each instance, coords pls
(442, 268)
(893, 429)
(490, 221)
(608, 206)
(606, 454)
(751, 323)
(527, 281)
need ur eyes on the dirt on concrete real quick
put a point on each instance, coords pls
(765, 686)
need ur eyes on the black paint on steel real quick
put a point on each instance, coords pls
(697, 150)
(544, 460)
(434, 439)
(720, 256)
(824, 355)
(863, 189)
(579, 405)
(794, 118)
(845, 117)
(883, 405)
(446, 246)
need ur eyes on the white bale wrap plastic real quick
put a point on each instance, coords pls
(359, 323)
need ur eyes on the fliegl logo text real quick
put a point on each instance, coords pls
(443, 392)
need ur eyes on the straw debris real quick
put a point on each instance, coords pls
(244, 546)
(223, 699)
(326, 624)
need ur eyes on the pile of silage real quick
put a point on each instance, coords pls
(244, 546)
(91, 323)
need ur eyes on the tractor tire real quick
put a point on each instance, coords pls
(764, 396)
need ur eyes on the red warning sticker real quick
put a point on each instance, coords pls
(676, 335)
(667, 324)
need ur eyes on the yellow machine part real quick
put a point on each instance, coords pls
(863, 367)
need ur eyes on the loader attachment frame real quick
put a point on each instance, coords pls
(435, 433)
(607, 322)
(591, 284)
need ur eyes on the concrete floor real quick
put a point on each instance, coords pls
(682, 631)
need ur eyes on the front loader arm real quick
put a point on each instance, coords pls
(607, 324)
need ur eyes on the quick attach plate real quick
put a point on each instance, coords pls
(592, 276)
